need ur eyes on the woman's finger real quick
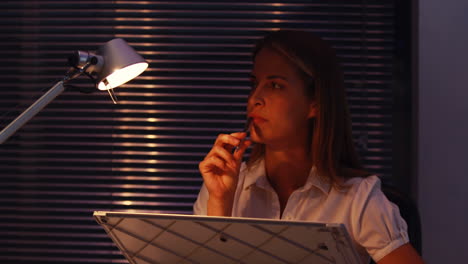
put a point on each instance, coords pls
(241, 150)
(212, 164)
(225, 139)
(223, 153)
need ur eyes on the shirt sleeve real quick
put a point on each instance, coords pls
(376, 222)
(200, 205)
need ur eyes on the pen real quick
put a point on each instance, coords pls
(246, 130)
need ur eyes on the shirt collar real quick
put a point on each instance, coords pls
(314, 180)
(256, 175)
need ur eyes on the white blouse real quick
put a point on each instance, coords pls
(373, 222)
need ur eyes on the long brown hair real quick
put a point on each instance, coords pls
(333, 153)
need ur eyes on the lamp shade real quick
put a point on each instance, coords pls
(121, 64)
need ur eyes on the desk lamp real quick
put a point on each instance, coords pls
(114, 64)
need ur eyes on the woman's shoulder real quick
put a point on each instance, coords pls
(368, 181)
(363, 186)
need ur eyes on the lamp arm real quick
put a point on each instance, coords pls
(29, 113)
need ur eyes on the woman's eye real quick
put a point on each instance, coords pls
(276, 85)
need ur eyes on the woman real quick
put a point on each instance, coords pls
(303, 164)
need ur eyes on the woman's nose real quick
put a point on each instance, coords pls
(256, 97)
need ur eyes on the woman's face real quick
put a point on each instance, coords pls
(278, 105)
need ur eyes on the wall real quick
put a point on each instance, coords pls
(443, 129)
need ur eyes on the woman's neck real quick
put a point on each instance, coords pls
(287, 170)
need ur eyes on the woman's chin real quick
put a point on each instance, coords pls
(256, 139)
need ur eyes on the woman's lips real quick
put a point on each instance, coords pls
(257, 119)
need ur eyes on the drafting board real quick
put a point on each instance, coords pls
(147, 238)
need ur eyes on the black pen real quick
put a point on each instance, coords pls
(245, 130)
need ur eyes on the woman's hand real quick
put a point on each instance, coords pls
(220, 171)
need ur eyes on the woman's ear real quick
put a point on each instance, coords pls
(312, 110)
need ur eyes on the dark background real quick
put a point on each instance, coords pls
(82, 153)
